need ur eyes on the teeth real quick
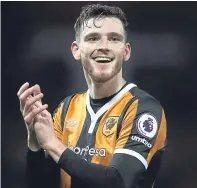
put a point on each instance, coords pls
(103, 59)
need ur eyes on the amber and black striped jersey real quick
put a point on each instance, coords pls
(126, 133)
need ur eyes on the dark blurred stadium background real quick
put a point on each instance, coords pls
(35, 47)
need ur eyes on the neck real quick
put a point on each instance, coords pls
(101, 90)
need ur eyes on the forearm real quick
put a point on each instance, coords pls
(41, 171)
(55, 148)
(32, 141)
(35, 168)
(35, 161)
(95, 175)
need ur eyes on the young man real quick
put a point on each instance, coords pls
(114, 134)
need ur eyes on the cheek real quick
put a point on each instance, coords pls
(86, 51)
(119, 50)
(120, 53)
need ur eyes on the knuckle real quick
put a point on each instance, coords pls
(37, 97)
(29, 103)
(34, 99)
(34, 112)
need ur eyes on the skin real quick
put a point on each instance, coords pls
(107, 39)
(103, 79)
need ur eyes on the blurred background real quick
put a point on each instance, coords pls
(35, 47)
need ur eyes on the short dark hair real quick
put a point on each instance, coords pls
(97, 11)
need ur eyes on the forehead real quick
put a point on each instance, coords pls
(103, 25)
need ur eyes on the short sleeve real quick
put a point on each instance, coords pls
(143, 130)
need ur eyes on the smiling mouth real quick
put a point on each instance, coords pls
(103, 59)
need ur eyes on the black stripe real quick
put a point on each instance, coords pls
(65, 109)
(92, 137)
(82, 143)
(147, 104)
(123, 114)
(153, 168)
(86, 139)
(83, 138)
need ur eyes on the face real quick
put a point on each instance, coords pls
(102, 49)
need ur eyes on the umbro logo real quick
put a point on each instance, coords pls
(70, 124)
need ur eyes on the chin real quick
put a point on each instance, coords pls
(102, 77)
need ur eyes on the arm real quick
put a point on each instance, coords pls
(41, 171)
(95, 174)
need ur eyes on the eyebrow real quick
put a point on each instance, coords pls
(109, 34)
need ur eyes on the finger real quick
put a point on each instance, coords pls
(37, 103)
(29, 118)
(22, 88)
(37, 90)
(45, 113)
(31, 102)
(25, 95)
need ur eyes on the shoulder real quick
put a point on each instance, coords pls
(67, 100)
(149, 114)
(145, 100)
(74, 96)
(147, 108)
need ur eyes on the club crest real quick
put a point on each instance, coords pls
(110, 125)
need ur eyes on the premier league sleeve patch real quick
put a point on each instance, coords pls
(147, 125)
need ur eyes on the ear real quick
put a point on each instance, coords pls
(127, 52)
(75, 50)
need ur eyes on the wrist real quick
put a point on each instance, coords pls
(32, 141)
(55, 148)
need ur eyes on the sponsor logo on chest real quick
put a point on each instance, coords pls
(101, 152)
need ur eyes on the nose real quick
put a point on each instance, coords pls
(103, 45)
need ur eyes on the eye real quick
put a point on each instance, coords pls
(92, 39)
(114, 38)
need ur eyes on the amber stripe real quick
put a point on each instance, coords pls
(127, 125)
(77, 102)
(161, 137)
(57, 122)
